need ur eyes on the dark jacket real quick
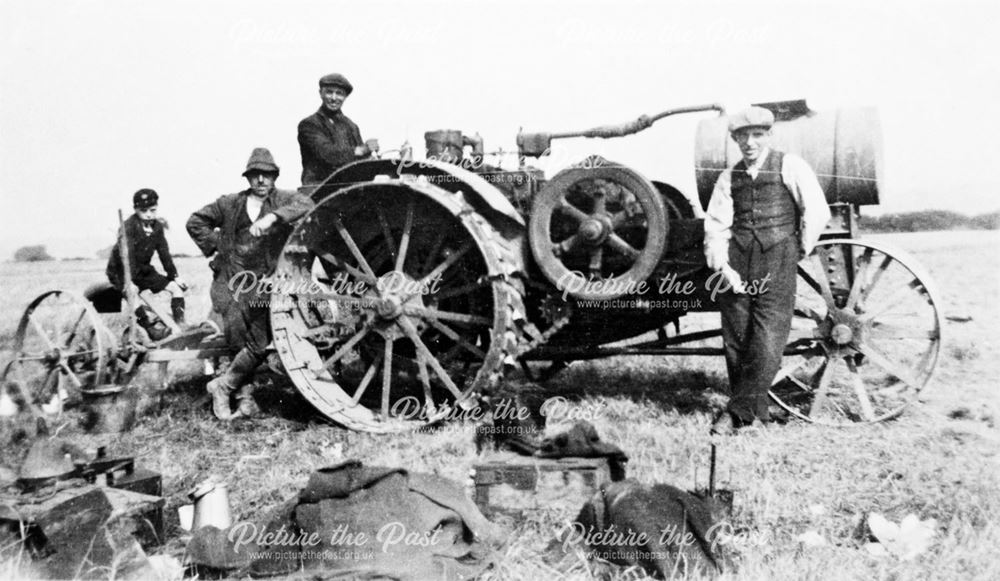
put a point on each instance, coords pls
(141, 249)
(327, 142)
(223, 227)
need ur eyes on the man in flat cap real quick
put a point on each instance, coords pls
(329, 140)
(245, 232)
(766, 213)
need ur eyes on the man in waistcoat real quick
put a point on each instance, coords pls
(766, 213)
(328, 139)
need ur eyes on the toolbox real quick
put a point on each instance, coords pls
(518, 486)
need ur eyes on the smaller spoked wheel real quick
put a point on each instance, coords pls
(61, 347)
(865, 337)
(605, 223)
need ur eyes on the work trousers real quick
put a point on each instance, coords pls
(755, 325)
(248, 327)
(246, 318)
(248, 331)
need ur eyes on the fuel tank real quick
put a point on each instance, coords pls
(843, 146)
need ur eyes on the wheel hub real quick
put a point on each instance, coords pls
(844, 328)
(594, 231)
(841, 334)
(388, 308)
(394, 292)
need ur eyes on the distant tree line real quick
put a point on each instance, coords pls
(930, 220)
(38, 253)
(105, 253)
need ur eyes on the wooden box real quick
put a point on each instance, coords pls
(517, 486)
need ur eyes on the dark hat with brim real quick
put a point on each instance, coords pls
(336, 80)
(262, 161)
(752, 117)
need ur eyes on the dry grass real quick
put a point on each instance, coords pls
(935, 461)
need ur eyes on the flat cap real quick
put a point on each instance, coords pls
(261, 160)
(336, 80)
(752, 117)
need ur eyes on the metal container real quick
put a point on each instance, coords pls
(110, 408)
(843, 146)
(48, 460)
(211, 505)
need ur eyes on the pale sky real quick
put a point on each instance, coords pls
(99, 99)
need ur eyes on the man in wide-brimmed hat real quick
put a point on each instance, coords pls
(245, 233)
(765, 214)
(329, 140)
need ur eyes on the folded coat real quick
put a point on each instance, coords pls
(362, 521)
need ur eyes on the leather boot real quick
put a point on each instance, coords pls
(275, 365)
(724, 425)
(143, 316)
(220, 388)
(246, 405)
(235, 376)
(147, 319)
(177, 310)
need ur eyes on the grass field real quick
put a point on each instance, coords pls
(939, 460)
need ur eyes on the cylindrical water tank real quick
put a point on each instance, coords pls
(843, 146)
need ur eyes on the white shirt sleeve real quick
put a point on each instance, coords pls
(719, 222)
(801, 181)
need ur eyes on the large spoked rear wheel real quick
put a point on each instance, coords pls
(865, 338)
(395, 312)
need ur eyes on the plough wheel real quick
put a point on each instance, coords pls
(397, 307)
(61, 347)
(605, 223)
(865, 338)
